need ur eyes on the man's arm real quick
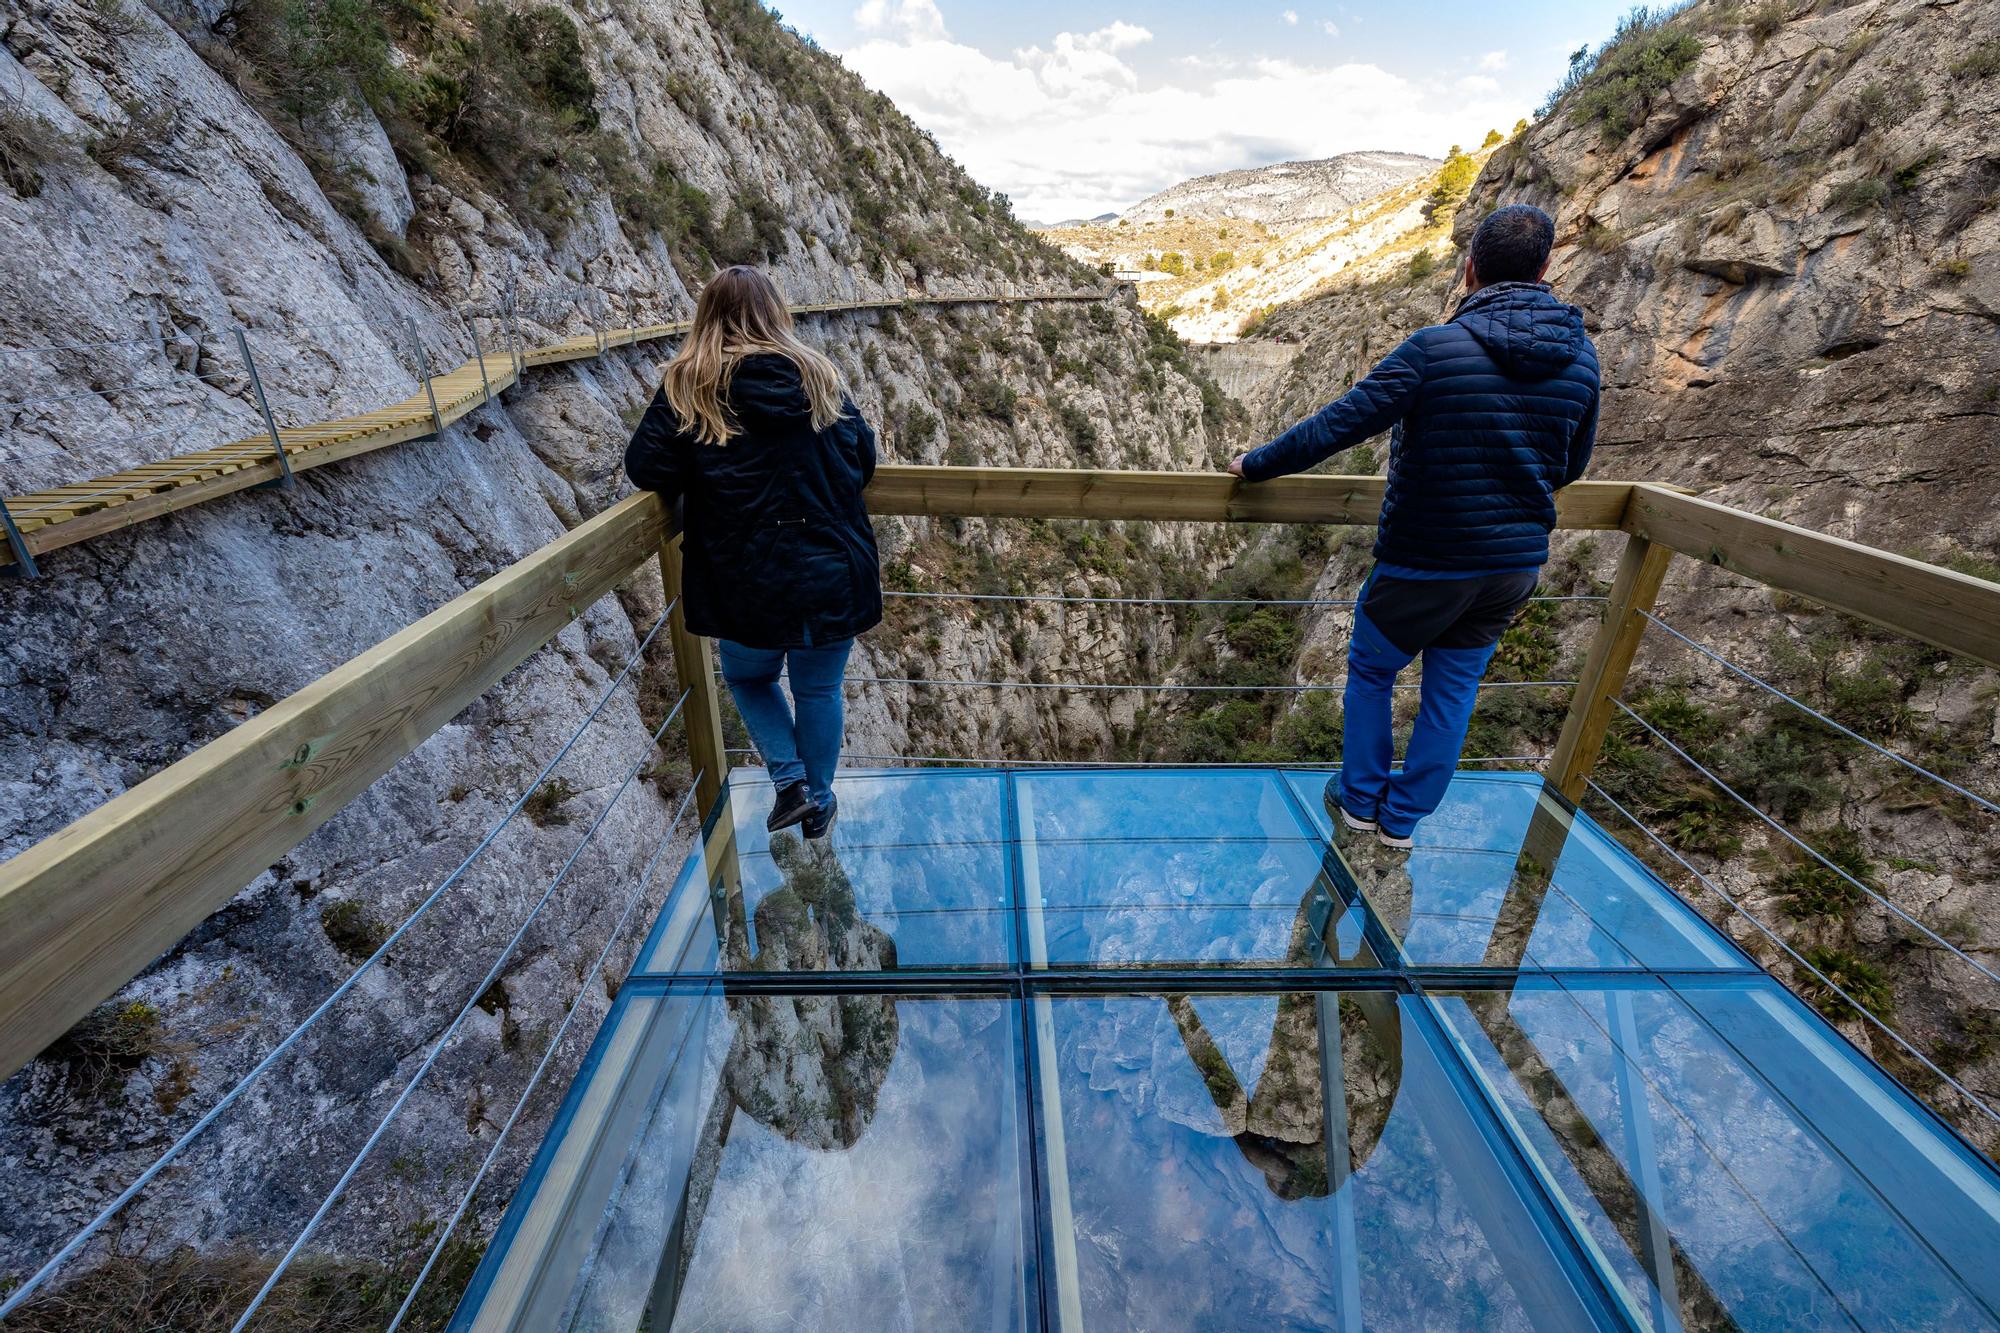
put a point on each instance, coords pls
(1366, 410)
(1581, 443)
(657, 458)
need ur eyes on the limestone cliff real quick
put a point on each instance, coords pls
(342, 181)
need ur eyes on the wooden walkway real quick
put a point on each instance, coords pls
(65, 515)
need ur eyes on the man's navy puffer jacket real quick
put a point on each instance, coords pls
(1493, 412)
(778, 550)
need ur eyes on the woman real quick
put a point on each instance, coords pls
(754, 431)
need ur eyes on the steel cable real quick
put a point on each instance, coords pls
(14, 1298)
(451, 1030)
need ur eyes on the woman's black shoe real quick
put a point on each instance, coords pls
(795, 805)
(821, 819)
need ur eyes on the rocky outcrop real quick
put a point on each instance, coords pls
(171, 197)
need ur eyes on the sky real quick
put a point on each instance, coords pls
(1085, 107)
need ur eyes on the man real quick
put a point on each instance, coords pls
(1494, 412)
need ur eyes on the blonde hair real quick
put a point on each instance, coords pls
(741, 313)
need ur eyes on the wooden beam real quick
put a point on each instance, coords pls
(83, 911)
(1171, 497)
(1953, 611)
(694, 669)
(1641, 568)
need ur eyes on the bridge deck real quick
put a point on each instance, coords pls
(1068, 1049)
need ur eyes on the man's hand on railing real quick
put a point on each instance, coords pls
(1236, 466)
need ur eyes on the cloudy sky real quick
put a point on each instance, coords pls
(1083, 107)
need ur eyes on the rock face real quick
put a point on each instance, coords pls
(1787, 253)
(153, 190)
(1284, 194)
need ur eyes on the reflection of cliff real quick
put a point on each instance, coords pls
(810, 1066)
(1284, 1124)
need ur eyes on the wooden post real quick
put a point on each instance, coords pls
(1633, 588)
(694, 667)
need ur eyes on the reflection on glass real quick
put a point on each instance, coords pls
(1200, 869)
(1502, 876)
(919, 861)
(834, 1162)
(1739, 1166)
(1202, 1195)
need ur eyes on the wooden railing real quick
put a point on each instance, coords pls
(84, 911)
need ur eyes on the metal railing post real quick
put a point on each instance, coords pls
(1641, 569)
(24, 560)
(284, 478)
(479, 354)
(424, 368)
(694, 668)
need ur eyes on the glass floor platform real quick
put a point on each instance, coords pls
(1149, 1050)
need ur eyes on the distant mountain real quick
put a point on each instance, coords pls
(1101, 220)
(1287, 193)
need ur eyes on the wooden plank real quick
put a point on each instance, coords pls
(694, 670)
(83, 911)
(1169, 497)
(1953, 611)
(1641, 567)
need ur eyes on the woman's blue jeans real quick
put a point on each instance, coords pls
(797, 748)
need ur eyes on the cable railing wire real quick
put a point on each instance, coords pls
(548, 1056)
(1113, 686)
(1775, 938)
(1165, 601)
(451, 1030)
(14, 1298)
(1808, 709)
(1127, 763)
(1809, 849)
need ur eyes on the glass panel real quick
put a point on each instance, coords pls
(1194, 869)
(1738, 1166)
(1475, 890)
(914, 874)
(1190, 1185)
(840, 1162)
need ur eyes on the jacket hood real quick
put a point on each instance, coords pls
(1529, 334)
(767, 385)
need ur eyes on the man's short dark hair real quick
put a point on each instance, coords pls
(1512, 244)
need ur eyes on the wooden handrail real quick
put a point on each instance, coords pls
(1951, 610)
(84, 910)
(1177, 497)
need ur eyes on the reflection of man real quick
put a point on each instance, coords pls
(1494, 411)
(811, 1066)
(1285, 1124)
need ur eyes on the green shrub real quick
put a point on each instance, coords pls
(351, 930)
(1853, 195)
(1174, 262)
(1867, 983)
(1082, 430)
(1811, 889)
(1048, 334)
(1454, 182)
(1492, 137)
(1221, 259)
(919, 425)
(1310, 733)
(1616, 87)
(1767, 18)
(1422, 264)
(1982, 62)
(994, 399)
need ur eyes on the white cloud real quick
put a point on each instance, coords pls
(1493, 60)
(1292, 17)
(1069, 128)
(1331, 28)
(917, 17)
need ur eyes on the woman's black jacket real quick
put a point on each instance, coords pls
(777, 548)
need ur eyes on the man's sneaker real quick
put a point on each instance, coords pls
(1400, 841)
(821, 819)
(794, 806)
(1347, 817)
